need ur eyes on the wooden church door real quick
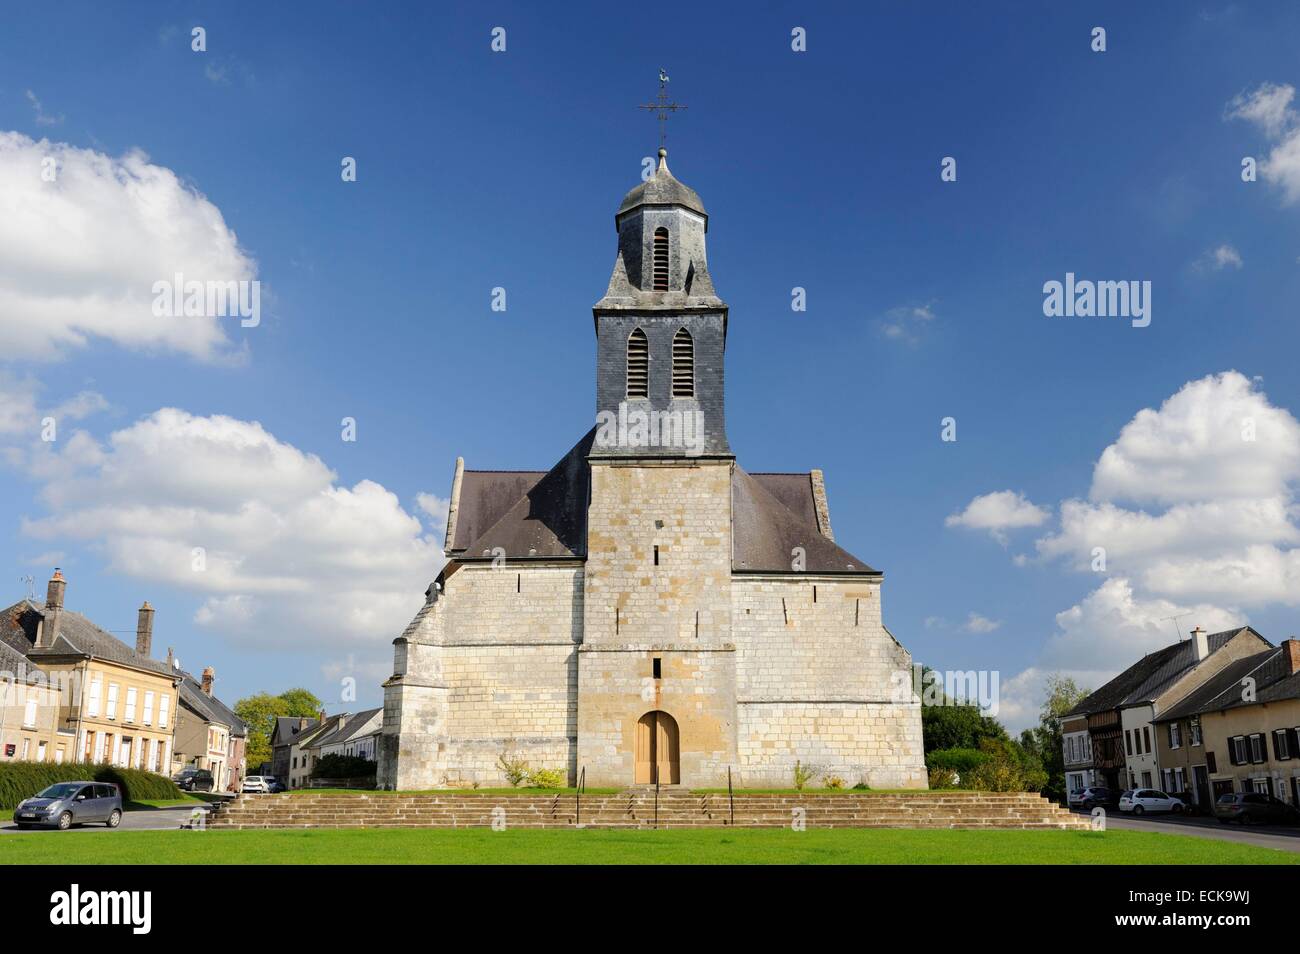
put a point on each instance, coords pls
(657, 757)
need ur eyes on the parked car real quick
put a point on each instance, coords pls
(261, 784)
(191, 779)
(1092, 797)
(1255, 808)
(65, 804)
(1141, 800)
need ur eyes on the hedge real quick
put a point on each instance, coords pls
(19, 780)
(343, 766)
(961, 761)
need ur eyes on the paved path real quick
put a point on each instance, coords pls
(1264, 836)
(152, 819)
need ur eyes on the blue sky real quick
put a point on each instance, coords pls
(819, 169)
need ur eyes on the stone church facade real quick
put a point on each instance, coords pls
(646, 610)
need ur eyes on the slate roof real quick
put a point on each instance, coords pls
(1273, 683)
(1150, 675)
(543, 515)
(77, 635)
(662, 188)
(350, 727)
(286, 729)
(209, 707)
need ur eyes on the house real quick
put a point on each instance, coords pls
(1109, 738)
(29, 711)
(1239, 732)
(208, 734)
(284, 733)
(304, 750)
(357, 737)
(114, 703)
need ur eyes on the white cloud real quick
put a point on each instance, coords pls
(1100, 636)
(1219, 258)
(998, 512)
(975, 623)
(906, 323)
(290, 559)
(21, 414)
(435, 508)
(79, 256)
(42, 117)
(1269, 108)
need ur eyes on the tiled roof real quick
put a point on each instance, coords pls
(209, 707)
(77, 635)
(1271, 675)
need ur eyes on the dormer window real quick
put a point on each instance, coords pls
(683, 364)
(661, 260)
(638, 364)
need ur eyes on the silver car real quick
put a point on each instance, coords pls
(65, 804)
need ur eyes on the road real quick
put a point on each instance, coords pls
(150, 819)
(1263, 836)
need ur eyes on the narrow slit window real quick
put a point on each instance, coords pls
(683, 364)
(661, 260)
(658, 668)
(656, 555)
(638, 365)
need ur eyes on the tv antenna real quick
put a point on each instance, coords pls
(1177, 628)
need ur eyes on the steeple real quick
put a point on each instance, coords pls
(661, 329)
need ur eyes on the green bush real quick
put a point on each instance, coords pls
(19, 780)
(942, 778)
(547, 778)
(343, 766)
(961, 761)
(513, 768)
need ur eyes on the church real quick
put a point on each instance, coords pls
(646, 611)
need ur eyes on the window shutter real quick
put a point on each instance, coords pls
(638, 364)
(683, 364)
(1211, 765)
(661, 260)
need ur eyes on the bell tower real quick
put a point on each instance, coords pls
(661, 330)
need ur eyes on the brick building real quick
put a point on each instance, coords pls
(646, 610)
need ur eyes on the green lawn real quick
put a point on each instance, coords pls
(679, 846)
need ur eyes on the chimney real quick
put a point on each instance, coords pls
(209, 674)
(1292, 647)
(171, 658)
(49, 627)
(144, 630)
(321, 719)
(1201, 642)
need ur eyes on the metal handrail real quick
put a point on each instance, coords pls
(656, 803)
(731, 799)
(577, 809)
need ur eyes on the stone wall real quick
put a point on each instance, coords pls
(488, 669)
(815, 678)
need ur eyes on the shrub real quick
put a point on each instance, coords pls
(19, 780)
(941, 778)
(803, 774)
(833, 781)
(1008, 768)
(547, 778)
(514, 769)
(961, 761)
(343, 766)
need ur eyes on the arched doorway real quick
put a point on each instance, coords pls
(656, 749)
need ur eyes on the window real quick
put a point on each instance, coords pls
(661, 259)
(29, 715)
(148, 708)
(1237, 749)
(111, 709)
(92, 703)
(130, 703)
(1180, 780)
(658, 668)
(1175, 735)
(683, 364)
(638, 364)
(27, 747)
(1128, 741)
(1257, 747)
(40, 751)
(162, 711)
(1146, 738)
(1280, 747)
(90, 748)
(1195, 732)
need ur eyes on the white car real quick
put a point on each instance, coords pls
(1141, 800)
(261, 784)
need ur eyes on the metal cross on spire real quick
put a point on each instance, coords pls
(662, 107)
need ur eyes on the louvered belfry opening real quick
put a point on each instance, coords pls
(661, 260)
(683, 364)
(638, 365)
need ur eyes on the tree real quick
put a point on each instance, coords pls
(951, 726)
(259, 713)
(1045, 739)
